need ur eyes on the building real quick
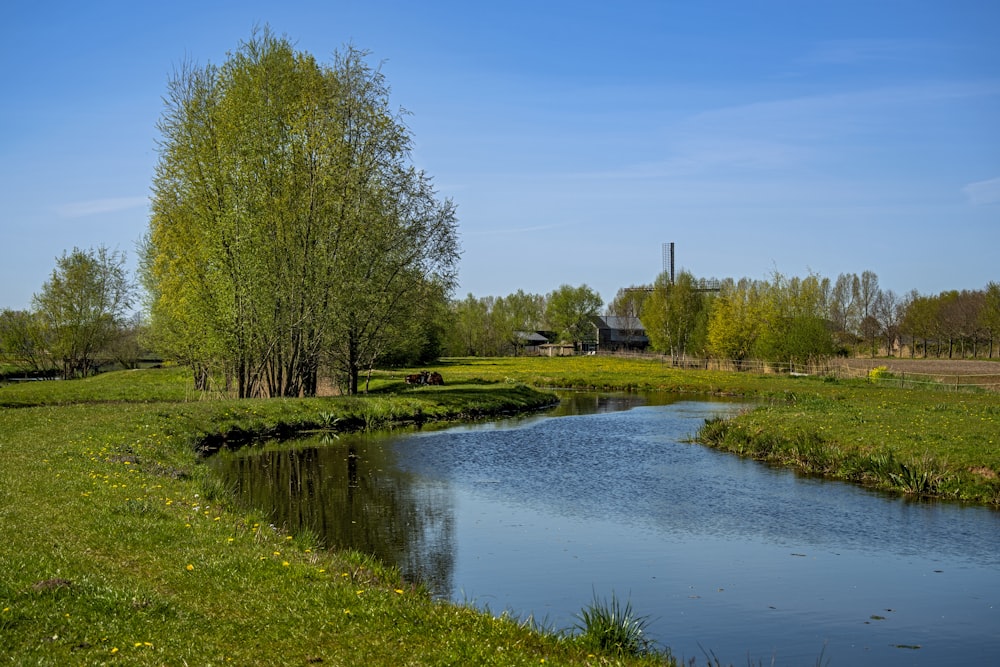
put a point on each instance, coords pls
(617, 334)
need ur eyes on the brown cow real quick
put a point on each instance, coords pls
(435, 378)
(417, 378)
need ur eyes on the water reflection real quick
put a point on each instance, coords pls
(350, 494)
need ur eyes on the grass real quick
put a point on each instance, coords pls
(120, 547)
(608, 626)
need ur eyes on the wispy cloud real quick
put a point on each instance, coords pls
(982, 193)
(82, 209)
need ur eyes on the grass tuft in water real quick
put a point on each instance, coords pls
(609, 626)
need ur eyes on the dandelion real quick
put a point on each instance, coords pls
(189, 567)
(399, 591)
(285, 563)
(114, 650)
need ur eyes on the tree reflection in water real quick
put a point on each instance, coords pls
(350, 494)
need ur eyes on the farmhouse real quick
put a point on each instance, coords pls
(617, 334)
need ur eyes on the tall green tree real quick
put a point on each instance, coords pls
(793, 320)
(672, 313)
(569, 311)
(288, 230)
(82, 306)
(736, 319)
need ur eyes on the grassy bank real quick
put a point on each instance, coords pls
(928, 441)
(120, 548)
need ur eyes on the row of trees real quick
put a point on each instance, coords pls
(798, 319)
(494, 326)
(781, 318)
(288, 231)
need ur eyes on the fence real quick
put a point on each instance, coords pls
(836, 368)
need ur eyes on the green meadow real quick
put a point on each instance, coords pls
(121, 548)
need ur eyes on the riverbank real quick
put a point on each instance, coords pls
(929, 441)
(120, 547)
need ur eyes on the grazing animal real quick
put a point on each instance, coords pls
(417, 378)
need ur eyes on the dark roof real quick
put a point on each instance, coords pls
(619, 323)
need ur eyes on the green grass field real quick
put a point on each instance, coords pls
(121, 548)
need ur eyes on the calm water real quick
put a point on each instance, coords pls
(537, 515)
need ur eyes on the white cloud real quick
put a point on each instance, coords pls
(96, 206)
(981, 193)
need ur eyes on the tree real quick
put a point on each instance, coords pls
(22, 340)
(570, 312)
(736, 319)
(865, 292)
(990, 314)
(288, 230)
(672, 313)
(82, 306)
(843, 312)
(888, 313)
(793, 317)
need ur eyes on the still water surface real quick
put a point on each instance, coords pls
(537, 515)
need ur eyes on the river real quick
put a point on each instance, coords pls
(605, 494)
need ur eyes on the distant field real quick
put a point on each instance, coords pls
(981, 373)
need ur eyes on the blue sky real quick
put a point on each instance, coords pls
(575, 137)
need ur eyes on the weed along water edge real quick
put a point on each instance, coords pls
(607, 498)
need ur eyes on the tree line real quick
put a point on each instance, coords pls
(780, 318)
(289, 236)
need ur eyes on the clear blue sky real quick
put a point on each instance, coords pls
(575, 137)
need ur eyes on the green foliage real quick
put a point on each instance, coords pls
(608, 626)
(82, 307)
(492, 326)
(675, 314)
(23, 341)
(288, 231)
(736, 320)
(569, 312)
